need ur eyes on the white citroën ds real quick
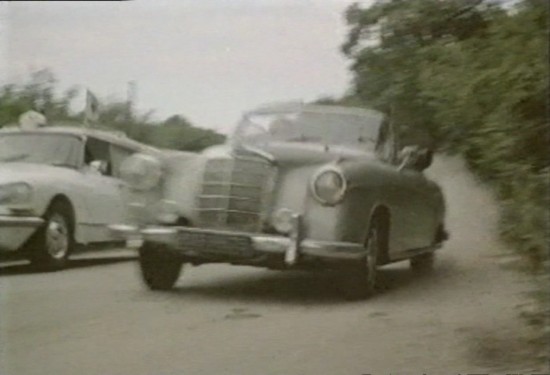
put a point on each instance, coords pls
(60, 187)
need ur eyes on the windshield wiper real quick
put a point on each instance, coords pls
(14, 158)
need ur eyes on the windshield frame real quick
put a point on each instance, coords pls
(78, 162)
(247, 122)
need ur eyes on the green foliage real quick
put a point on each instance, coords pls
(392, 46)
(40, 94)
(466, 77)
(470, 78)
(195, 139)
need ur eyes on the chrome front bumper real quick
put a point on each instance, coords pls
(15, 230)
(200, 242)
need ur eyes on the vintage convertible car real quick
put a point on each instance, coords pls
(296, 186)
(60, 187)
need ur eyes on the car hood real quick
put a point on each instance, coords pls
(29, 172)
(301, 154)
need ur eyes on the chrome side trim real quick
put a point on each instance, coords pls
(21, 221)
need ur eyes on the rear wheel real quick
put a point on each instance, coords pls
(159, 269)
(360, 282)
(52, 244)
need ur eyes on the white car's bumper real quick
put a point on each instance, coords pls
(15, 230)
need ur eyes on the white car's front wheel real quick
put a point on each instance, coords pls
(53, 243)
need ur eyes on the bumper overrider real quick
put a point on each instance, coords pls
(199, 243)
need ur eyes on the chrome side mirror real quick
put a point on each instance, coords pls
(414, 157)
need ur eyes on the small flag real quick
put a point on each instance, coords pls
(91, 112)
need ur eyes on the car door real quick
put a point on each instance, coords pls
(103, 189)
(420, 214)
(118, 154)
(408, 192)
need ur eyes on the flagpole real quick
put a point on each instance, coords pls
(91, 111)
(86, 106)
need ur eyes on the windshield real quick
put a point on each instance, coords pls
(357, 130)
(51, 149)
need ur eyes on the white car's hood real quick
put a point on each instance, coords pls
(30, 172)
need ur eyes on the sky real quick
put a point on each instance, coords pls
(207, 60)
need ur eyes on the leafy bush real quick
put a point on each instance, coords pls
(39, 93)
(471, 78)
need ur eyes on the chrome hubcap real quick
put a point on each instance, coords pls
(57, 237)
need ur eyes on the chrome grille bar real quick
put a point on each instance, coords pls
(235, 193)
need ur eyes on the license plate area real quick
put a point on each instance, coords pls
(229, 244)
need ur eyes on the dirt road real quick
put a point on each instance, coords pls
(97, 318)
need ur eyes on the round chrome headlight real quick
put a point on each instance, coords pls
(16, 193)
(141, 171)
(329, 186)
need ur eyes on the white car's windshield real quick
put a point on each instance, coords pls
(351, 129)
(51, 149)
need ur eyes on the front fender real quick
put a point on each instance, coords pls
(68, 187)
(370, 186)
(348, 220)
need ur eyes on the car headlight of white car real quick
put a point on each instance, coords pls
(15, 193)
(141, 171)
(329, 186)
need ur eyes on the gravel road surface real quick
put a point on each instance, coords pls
(97, 318)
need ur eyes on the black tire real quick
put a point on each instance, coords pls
(53, 243)
(360, 280)
(159, 269)
(423, 263)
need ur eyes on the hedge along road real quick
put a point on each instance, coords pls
(97, 317)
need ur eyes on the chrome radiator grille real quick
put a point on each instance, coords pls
(234, 193)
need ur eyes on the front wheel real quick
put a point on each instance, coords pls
(52, 244)
(360, 282)
(159, 269)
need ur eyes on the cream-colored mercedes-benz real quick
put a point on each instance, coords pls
(59, 188)
(296, 186)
